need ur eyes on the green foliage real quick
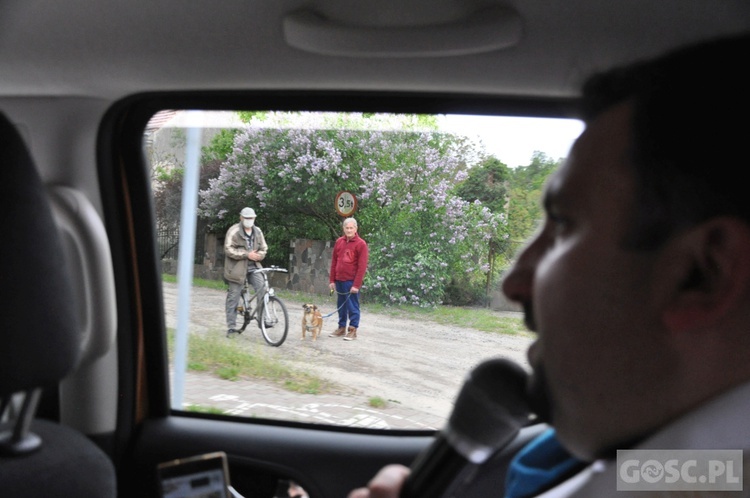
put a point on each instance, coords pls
(487, 187)
(247, 116)
(220, 146)
(488, 183)
(528, 182)
(464, 291)
(407, 272)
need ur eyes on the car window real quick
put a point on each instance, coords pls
(442, 202)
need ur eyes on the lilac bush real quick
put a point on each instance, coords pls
(403, 172)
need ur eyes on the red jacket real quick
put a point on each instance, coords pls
(349, 261)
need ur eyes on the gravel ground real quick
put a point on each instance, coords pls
(414, 363)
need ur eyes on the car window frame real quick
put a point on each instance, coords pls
(129, 211)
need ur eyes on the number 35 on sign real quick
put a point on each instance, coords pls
(346, 203)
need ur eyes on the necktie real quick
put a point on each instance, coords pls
(539, 465)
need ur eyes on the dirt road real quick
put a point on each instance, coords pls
(409, 362)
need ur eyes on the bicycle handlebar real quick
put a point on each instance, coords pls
(272, 268)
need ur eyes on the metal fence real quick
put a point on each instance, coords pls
(168, 241)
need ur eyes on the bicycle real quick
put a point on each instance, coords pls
(273, 318)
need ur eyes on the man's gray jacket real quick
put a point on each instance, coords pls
(236, 251)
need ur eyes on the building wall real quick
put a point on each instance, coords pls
(309, 265)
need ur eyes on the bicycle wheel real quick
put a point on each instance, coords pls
(275, 323)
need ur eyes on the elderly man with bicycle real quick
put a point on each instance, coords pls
(244, 249)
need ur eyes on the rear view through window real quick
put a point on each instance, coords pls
(429, 208)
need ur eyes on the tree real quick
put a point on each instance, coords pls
(487, 187)
(525, 205)
(167, 174)
(488, 183)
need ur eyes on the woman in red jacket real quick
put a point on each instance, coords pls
(348, 266)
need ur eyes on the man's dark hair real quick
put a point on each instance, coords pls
(691, 112)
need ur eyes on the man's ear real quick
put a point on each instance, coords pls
(710, 267)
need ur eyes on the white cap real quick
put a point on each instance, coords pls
(247, 213)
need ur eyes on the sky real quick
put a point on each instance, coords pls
(514, 140)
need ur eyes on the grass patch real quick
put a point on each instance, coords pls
(228, 373)
(480, 319)
(204, 409)
(197, 367)
(377, 402)
(477, 318)
(197, 282)
(228, 360)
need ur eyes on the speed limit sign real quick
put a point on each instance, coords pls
(346, 203)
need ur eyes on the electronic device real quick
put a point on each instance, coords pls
(200, 476)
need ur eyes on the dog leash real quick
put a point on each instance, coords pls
(348, 295)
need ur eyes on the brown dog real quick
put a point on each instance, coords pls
(312, 320)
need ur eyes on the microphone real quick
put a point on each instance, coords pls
(489, 411)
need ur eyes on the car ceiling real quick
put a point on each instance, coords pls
(110, 49)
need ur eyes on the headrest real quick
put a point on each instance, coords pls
(38, 329)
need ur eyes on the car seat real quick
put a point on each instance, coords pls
(39, 342)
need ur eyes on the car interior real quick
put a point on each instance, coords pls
(90, 385)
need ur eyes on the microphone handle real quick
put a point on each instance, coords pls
(490, 410)
(434, 471)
